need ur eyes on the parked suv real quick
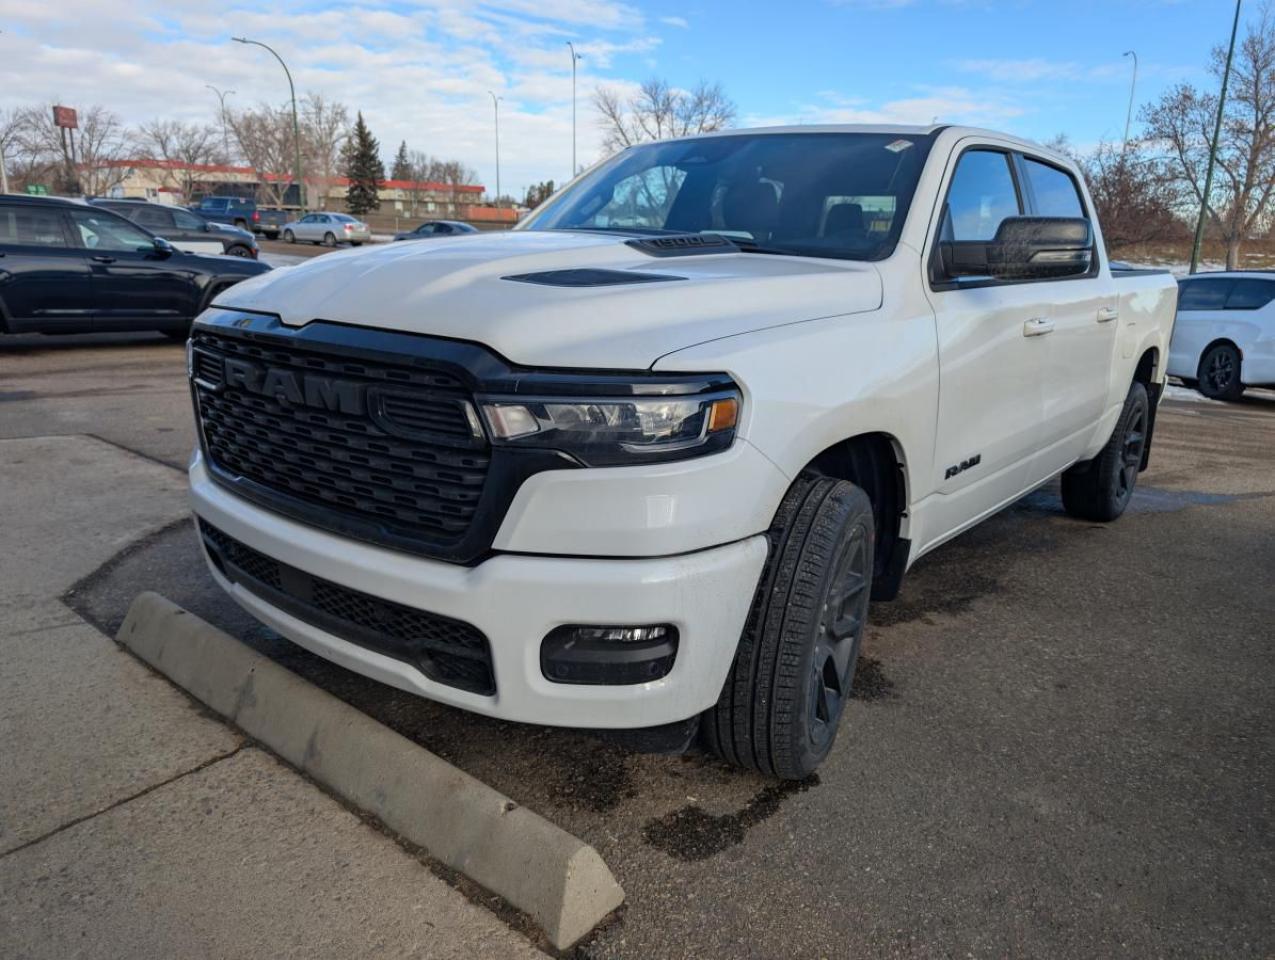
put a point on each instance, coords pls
(1224, 338)
(184, 229)
(640, 463)
(70, 267)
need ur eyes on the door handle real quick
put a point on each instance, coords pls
(1107, 314)
(1038, 327)
(102, 259)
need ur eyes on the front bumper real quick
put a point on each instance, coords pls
(516, 600)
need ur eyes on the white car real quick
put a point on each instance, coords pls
(1224, 338)
(328, 229)
(641, 462)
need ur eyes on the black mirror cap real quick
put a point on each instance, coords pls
(163, 247)
(1039, 248)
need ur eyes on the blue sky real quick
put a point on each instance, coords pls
(421, 69)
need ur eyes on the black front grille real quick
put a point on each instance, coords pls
(446, 650)
(392, 449)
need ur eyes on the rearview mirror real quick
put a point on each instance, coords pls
(162, 247)
(1024, 248)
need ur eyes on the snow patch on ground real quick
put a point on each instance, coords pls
(280, 259)
(1173, 391)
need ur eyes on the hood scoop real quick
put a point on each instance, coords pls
(589, 277)
(683, 245)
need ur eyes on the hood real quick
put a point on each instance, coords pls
(457, 287)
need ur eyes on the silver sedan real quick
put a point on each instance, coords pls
(328, 229)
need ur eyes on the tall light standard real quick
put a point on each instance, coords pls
(1133, 84)
(575, 58)
(495, 105)
(296, 127)
(221, 96)
(1217, 133)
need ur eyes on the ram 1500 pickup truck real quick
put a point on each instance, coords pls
(640, 463)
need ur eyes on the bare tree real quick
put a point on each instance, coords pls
(1133, 198)
(182, 148)
(450, 174)
(324, 128)
(102, 144)
(658, 112)
(264, 136)
(12, 123)
(1181, 123)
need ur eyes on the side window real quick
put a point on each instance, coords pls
(153, 217)
(1207, 294)
(31, 226)
(1250, 294)
(187, 221)
(1054, 191)
(426, 230)
(441, 230)
(102, 231)
(981, 195)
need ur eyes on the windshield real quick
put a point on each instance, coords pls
(814, 194)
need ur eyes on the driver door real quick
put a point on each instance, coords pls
(991, 353)
(135, 286)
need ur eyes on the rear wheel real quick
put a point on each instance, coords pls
(241, 224)
(289, 237)
(329, 239)
(1219, 373)
(1101, 488)
(783, 698)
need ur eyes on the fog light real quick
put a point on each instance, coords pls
(609, 655)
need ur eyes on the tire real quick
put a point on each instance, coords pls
(289, 237)
(239, 250)
(1219, 373)
(1101, 488)
(241, 224)
(181, 336)
(356, 243)
(779, 709)
(329, 239)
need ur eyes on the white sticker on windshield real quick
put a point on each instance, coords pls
(898, 146)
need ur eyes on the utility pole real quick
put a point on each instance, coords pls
(296, 127)
(495, 105)
(575, 58)
(1133, 85)
(1217, 133)
(225, 137)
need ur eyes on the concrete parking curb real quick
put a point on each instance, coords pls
(555, 878)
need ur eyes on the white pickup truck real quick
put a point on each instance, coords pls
(640, 463)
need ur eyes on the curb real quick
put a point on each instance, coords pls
(558, 880)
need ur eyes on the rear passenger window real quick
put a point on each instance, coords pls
(31, 226)
(1250, 294)
(982, 194)
(1054, 191)
(1204, 294)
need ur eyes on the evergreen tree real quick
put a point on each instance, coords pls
(538, 193)
(402, 169)
(364, 169)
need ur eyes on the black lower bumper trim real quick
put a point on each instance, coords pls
(446, 650)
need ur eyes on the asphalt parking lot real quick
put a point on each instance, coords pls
(1062, 743)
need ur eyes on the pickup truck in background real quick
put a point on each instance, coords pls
(244, 214)
(640, 463)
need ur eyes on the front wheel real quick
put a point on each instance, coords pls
(788, 686)
(239, 250)
(1101, 488)
(289, 237)
(1219, 373)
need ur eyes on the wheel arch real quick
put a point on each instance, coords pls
(876, 462)
(1149, 374)
(1218, 342)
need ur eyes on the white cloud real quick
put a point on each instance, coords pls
(929, 105)
(418, 69)
(679, 22)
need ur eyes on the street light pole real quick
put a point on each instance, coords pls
(225, 137)
(1217, 133)
(495, 105)
(296, 127)
(575, 58)
(1133, 84)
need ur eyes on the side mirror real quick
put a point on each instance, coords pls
(163, 248)
(1025, 248)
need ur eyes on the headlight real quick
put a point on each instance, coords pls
(609, 431)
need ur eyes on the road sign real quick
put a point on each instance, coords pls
(66, 118)
(37, 190)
